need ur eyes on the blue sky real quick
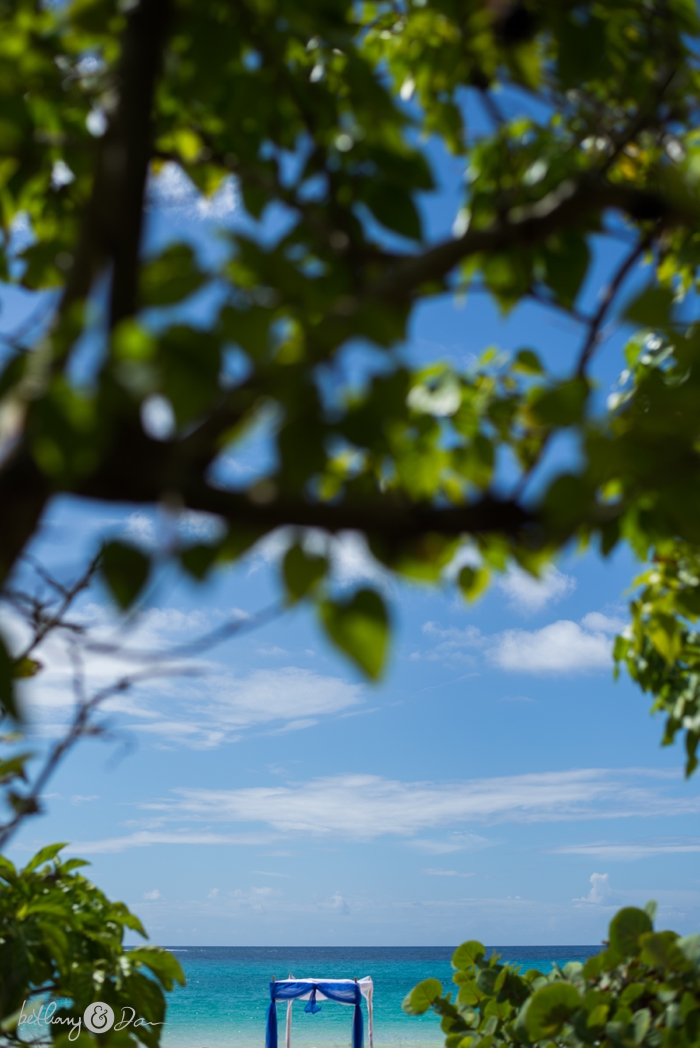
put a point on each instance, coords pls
(497, 784)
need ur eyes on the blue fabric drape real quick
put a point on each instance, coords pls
(344, 992)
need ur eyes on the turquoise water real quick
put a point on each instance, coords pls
(227, 993)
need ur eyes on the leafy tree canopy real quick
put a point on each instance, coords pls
(320, 112)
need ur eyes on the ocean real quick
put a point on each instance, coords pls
(227, 992)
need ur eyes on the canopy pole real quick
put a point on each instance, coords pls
(288, 1031)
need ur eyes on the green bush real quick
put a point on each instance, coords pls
(61, 940)
(643, 990)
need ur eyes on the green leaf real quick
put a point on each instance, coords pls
(197, 560)
(468, 954)
(625, 930)
(125, 570)
(360, 628)
(652, 308)
(394, 208)
(566, 265)
(421, 997)
(27, 668)
(473, 582)
(164, 965)
(660, 950)
(171, 277)
(302, 572)
(13, 768)
(564, 405)
(44, 855)
(486, 980)
(528, 361)
(690, 947)
(550, 1007)
(73, 864)
(664, 635)
(641, 1024)
(8, 703)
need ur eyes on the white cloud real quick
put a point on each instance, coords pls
(152, 896)
(600, 889)
(454, 644)
(529, 595)
(152, 528)
(446, 873)
(597, 622)
(290, 694)
(430, 816)
(212, 893)
(561, 647)
(469, 637)
(203, 704)
(351, 559)
(625, 851)
(147, 838)
(467, 556)
(353, 562)
(172, 189)
(368, 806)
(337, 903)
(254, 899)
(454, 842)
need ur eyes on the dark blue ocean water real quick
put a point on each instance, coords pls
(227, 992)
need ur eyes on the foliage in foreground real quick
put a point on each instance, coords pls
(61, 939)
(643, 991)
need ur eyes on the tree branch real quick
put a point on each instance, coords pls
(523, 226)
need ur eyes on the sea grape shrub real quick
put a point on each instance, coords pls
(62, 940)
(643, 990)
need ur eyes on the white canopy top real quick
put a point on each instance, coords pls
(366, 989)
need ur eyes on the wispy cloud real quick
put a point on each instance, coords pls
(451, 842)
(626, 851)
(529, 595)
(147, 838)
(453, 644)
(446, 873)
(366, 807)
(205, 706)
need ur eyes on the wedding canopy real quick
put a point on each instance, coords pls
(345, 991)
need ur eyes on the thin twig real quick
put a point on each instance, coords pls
(54, 621)
(595, 335)
(80, 727)
(194, 647)
(37, 315)
(491, 106)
